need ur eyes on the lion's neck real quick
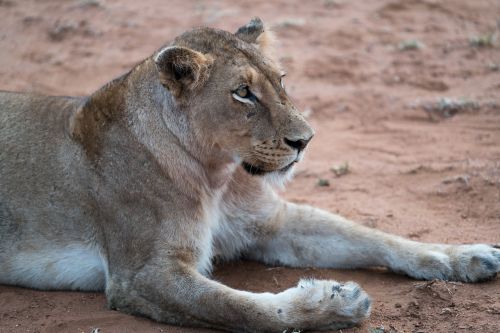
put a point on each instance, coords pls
(214, 166)
(166, 132)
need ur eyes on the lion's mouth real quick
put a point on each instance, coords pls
(256, 171)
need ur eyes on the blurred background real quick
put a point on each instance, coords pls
(405, 99)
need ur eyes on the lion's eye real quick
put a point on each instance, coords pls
(243, 92)
(244, 95)
(281, 81)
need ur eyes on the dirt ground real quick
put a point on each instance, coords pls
(407, 92)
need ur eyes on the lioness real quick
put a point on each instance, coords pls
(136, 188)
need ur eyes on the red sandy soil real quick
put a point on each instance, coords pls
(411, 172)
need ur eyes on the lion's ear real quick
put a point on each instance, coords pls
(182, 69)
(251, 31)
(254, 32)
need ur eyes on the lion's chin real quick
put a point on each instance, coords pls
(257, 171)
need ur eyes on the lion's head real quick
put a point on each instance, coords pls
(234, 93)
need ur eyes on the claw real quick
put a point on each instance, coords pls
(336, 288)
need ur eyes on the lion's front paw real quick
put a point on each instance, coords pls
(473, 263)
(468, 263)
(323, 304)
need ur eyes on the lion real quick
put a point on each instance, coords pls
(137, 188)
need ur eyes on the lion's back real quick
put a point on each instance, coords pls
(34, 153)
(32, 134)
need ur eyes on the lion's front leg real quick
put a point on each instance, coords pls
(174, 292)
(305, 236)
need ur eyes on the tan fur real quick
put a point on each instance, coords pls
(138, 187)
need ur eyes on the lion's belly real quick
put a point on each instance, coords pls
(71, 267)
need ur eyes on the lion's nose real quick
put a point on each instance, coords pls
(299, 144)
